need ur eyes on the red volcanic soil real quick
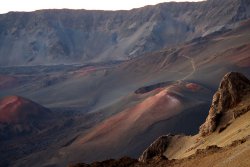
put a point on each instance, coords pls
(15, 109)
(193, 86)
(138, 118)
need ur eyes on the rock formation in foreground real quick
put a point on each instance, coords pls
(233, 88)
(157, 148)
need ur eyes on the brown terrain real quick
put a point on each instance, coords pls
(104, 85)
(86, 114)
(223, 141)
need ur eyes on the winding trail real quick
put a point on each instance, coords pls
(167, 58)
(193, 66)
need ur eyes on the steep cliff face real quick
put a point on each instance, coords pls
(233, 88)
(81, 36)
(243, 11)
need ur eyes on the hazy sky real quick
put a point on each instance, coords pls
(30, 5)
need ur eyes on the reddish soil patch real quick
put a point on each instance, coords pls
(192, 86)
(14, 109)
(85, 71)
(153, 109)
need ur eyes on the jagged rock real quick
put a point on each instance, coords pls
(233, 87)
(207, 150)
(156, 149)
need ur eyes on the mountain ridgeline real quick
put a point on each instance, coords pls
(65, 36)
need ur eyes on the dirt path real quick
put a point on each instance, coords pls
(193, 66)
(167, 58)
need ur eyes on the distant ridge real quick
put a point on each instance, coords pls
(82, 36)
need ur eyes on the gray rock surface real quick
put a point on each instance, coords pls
(80, 36)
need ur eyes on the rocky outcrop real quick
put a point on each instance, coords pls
(156, 149)
(233, 88)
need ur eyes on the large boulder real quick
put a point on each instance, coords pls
(233, 88)
(156, 149)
